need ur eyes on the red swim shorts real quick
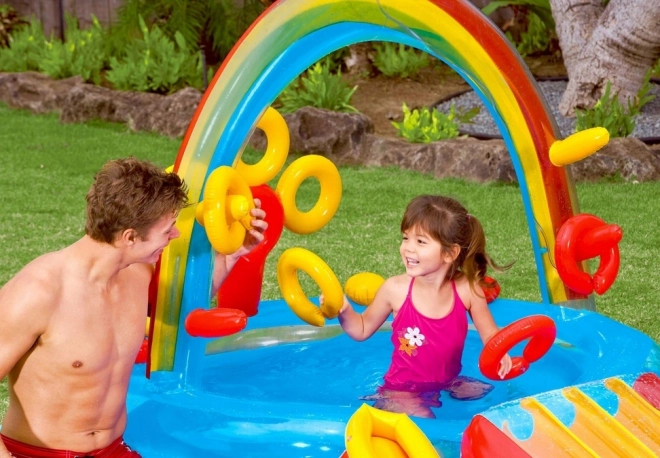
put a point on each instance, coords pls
(118, 449)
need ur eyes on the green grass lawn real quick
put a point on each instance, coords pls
(47, 168)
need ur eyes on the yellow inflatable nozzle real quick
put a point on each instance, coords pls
(362, 288)
(578, 146)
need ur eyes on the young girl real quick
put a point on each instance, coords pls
(444, 253)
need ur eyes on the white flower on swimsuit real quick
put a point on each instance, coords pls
(414, 336)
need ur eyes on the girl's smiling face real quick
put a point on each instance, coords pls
(421, 254)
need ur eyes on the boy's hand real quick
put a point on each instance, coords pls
(254, 236)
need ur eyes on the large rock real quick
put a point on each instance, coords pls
(35, 91)
(338, 136)
(467, 158)
(167, 115)
(627, 158)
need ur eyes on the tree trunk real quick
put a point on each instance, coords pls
(616, 43)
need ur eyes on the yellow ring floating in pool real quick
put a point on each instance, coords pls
(225, 210)
(305, 167)
(277, 149)
(372, 433)
(295, 259)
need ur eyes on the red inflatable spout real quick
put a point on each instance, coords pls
(242, 288)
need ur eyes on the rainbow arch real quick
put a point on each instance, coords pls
(289, 37)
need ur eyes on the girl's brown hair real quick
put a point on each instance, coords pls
(445, 220)
(131, 194)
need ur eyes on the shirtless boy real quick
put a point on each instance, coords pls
(73, 320)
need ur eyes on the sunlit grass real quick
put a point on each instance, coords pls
(47, 168)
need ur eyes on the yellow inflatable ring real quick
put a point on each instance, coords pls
(373, 433)
(277, 149)
(323, 170)
(295, 259)
(225, 211)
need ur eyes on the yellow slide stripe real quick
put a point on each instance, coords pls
(602, 432)
(551, 437)
(640, 417)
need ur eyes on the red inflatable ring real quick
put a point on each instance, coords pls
(583, 237)
(541, 331)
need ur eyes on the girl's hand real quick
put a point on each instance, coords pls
(505, 366)
(346, 305)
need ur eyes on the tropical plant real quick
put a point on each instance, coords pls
(540, 8)
(399, 60)
(217, 24)
(156, 64)
(536, 38)
(611, 114)
(10, 21)
(27, 45)
(426, 126)
(319, 88)
(82, 53)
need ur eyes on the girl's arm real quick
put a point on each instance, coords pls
(362, 326)
(485, 324)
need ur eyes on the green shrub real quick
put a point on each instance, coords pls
(25, 51)
(156, 64)
(655, 71)
(540, 8)
(393, 59)
(81, 54)
(425, 126)
(611, 114)
(318, 88)
(535, 39)
(10, 22)
(217, 23)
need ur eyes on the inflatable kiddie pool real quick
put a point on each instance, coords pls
(281, 387)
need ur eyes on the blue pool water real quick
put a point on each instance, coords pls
(282, 389)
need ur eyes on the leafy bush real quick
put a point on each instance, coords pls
(535, 39)
(611, 114)
(427, 126)
(655, 71)
(398, 60)
(216, 23)
(156, 64)
(9, 23)
(540, 8)
(318, 88)
(81, 54)
(25, 51)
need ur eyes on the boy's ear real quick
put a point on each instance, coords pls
(129, 236)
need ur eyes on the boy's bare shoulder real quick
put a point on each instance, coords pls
(35, 288)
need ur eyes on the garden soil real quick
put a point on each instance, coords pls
(380, 97)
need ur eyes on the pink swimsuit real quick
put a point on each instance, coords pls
(427, 351)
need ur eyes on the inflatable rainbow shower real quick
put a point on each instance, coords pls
(253, 393)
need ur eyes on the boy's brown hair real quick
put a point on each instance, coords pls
(131, 194)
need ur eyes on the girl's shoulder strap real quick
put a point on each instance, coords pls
(410, 287)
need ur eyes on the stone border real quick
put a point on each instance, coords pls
(343, 138)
